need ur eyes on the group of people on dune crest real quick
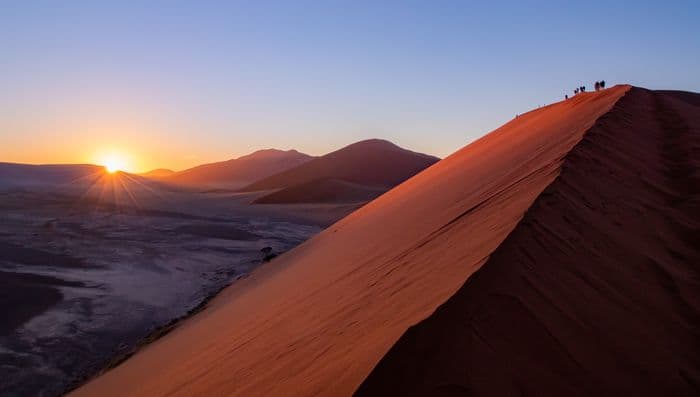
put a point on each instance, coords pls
(599, 85)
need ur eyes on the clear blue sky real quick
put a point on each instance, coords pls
(179, 83)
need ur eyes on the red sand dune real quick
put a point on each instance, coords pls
(595, 292)
(374, 162)
(327, 190)
(241, 171)
(317, 320)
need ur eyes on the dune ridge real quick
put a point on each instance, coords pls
(318, 319)
(596, 291)
(326, 190)
(238, 172)
(372, 162)
(158, 173)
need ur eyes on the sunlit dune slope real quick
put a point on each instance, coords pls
(596, 291)
(318, 319)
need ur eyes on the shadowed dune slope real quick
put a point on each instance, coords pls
(374, 162)
(322, 191)
(317, 320)
(240, 171)
(596, 291)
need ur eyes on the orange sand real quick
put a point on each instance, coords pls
(318, 319)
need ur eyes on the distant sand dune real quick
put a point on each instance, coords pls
(356, 173)
(328, 190)
(373, 162)
(158, 173)
(237, 172)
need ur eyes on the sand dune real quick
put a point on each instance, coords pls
(317, 320)
(354, 174)
(595, 292)
(158, 173)
(241, 171)
(373, 162)
(327, 190)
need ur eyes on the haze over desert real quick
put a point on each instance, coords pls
(335, 199)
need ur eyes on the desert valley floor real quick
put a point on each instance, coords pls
(83, 284)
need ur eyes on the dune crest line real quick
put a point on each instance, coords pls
(595, 292)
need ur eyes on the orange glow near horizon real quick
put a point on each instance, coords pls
(113, 162)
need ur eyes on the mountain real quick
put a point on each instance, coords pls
(85, 182)
(554, 256)
(158, 173)
(367, 166)
(240, 171)
(46, 175)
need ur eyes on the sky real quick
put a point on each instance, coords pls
(178, 83)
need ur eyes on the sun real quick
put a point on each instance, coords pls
(114, 163)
